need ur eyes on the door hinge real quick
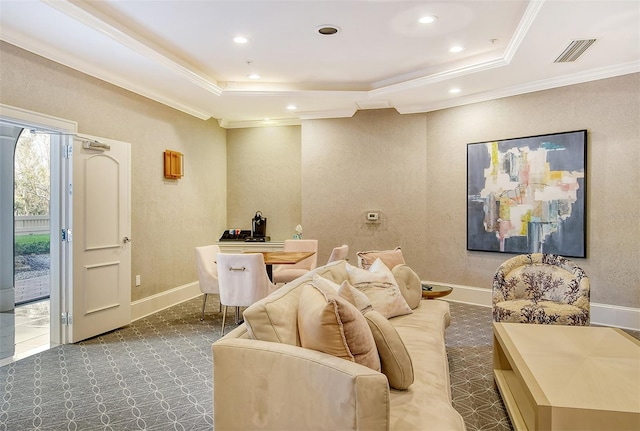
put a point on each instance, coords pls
(66, 235)
(67, 151)
(66, 318)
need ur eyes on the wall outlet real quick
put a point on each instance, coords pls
(138, 280)
(372, 216)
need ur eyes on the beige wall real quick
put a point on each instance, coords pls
(413, 169)
(169, 218)
(263, 174)
(374, 161)
(410, 168)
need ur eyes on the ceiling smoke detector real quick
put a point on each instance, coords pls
(327, 30)
(575, 49)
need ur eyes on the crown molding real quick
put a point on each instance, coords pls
(230, 124)
(85, 14)
(87, 68)
(438, 77)
(529, 16)
(337, 113)
(531, 87)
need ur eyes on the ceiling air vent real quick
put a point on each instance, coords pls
(575, 49)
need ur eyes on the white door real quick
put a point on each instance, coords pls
(100, 238)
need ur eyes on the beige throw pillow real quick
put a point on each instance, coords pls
(330, 324)
(390, 258)
(394, 359)
(380, 286)
(346, 291)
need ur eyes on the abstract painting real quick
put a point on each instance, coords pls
(527, 195)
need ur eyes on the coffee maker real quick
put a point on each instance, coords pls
(258, 228)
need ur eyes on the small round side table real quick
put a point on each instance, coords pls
(432, 291)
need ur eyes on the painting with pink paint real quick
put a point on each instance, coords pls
(527, 195)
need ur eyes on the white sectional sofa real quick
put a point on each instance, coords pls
(279, 385)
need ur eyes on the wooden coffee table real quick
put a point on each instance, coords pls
(554, 377)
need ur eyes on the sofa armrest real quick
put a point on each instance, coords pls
(263, 385)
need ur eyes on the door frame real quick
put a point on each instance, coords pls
(61, 267)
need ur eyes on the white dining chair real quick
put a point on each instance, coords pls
(339, 253)
(287, 273)
(243, 280)
(207, 272)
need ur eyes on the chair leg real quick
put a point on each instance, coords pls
(237, 315)
(224, 316)
(204, 302)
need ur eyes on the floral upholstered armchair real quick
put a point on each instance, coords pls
(541, 288)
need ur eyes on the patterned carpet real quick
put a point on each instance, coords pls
(155, 374)
(475, 396)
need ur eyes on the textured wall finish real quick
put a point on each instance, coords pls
(413, 169)
(169, 218)
(410, 168)
(263, 174)
(374, 161)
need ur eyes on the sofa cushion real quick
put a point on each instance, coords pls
(330, 324)
(428, 399)
(545, 312)
(275, 317)
(380, 286)
(390, 258)
(394, 358)
(346, 291)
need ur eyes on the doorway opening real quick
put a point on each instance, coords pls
(13, 122)
(32, 237)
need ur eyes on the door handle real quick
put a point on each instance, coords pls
(126, 239)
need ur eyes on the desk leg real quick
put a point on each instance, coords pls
(270, 272)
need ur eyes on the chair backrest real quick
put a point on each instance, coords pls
(243, 279)
(539, 276)
(309, 263)
(207, 268)
(339, 253)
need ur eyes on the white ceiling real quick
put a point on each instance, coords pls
(181, 53)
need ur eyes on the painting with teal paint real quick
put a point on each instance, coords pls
(528, 195)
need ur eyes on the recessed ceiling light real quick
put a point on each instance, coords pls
(292, 107)
(454, 90)
(253, 76)
(240, 39)
(456, 49)
(428, 19)
(327, 30)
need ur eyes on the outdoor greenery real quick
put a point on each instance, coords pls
(32, 244)
(32, 167)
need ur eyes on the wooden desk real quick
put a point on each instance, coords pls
(554, 377)
(282, 258)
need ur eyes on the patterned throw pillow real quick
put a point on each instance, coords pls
(330, 324)
(380, 286)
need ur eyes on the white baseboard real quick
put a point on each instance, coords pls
(152, 304)
(601, 314)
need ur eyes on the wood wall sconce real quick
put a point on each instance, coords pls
(173, 165)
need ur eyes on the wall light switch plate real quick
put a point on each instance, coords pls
(138, 280)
